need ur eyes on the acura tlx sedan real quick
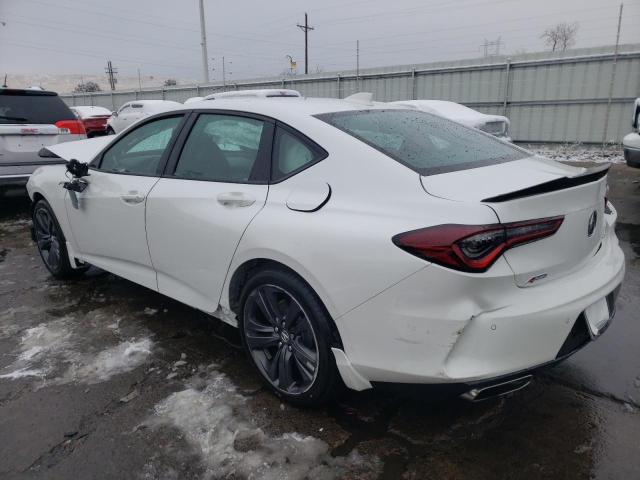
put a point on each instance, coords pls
(349, 243)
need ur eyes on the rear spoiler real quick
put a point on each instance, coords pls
(588, 176)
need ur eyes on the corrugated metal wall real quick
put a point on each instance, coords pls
(549, 97)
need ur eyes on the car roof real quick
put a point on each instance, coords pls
(27, 91)
(284, 107)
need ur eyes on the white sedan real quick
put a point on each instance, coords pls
(347, 243)
(131, 112)
(497, 125)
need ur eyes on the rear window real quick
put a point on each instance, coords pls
(425, 143)
(31, 107)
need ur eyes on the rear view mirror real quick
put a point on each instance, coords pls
(114, 114)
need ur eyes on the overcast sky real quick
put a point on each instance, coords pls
(162, 37)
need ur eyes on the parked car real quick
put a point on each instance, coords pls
(258, 93)
(29, 120)
(93, 118)
(631, 142)
(497, 125)
(347, 243)
(193, 100)
(131, 112)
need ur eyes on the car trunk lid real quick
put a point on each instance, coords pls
(530, 189)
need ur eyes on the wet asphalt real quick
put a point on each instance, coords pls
(101, 378)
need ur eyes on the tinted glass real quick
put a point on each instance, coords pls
(26, 107)
(290, 154)
(424, 142)
(140, 151)
(222, 148)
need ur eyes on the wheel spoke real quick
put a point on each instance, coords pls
(54, 255)
(42, 222)
(44, 242)
(272, 370)
(304, 369)
(285, 379)
(304, 354)
(268, 306)
(260, 342)
(292, 313)
(254, 326)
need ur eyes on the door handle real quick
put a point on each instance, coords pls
(132, 198)
(235, 199)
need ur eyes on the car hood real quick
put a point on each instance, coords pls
(81, 150)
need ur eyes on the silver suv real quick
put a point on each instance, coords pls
(29, 121)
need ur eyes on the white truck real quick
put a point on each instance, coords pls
(631, 142)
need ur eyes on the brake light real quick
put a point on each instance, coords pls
(473, 248)
(74, 127)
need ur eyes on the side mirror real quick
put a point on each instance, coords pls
(114, 114)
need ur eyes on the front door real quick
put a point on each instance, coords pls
(108, 222)
(198, 212)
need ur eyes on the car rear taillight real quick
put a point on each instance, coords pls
(473, 248)
(74, 127)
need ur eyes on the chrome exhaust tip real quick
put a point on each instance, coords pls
(497, 390)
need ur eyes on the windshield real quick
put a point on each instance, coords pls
(426, 143)
(30, 107)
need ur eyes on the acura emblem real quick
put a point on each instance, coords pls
(591, 227)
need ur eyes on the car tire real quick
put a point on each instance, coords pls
(51, 242)
(285, 332)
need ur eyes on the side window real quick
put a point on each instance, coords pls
(124, 108)
(139, 151)
(221, 148)
(292, 153)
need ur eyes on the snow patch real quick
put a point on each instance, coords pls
(64, 345)
(217, 422)
(121, 358)
(575, 154)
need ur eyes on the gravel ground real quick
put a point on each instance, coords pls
(104, 379)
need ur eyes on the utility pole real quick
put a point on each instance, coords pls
(496, 44)
(112, 75)
(224, 76)
(612, 80)
(139, 81)
(358, 65)
(305, 28)
(203, 44)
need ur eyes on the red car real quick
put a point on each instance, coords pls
(93, 118)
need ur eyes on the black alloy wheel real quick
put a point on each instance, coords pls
(51, 242)
(284, 328)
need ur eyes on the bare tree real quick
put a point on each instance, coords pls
(87, 87)
(561, 36)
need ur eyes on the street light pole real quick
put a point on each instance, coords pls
(203, 44)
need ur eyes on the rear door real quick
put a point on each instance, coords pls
(108, 220)
(197, 213)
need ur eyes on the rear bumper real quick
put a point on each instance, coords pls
(441, 327)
